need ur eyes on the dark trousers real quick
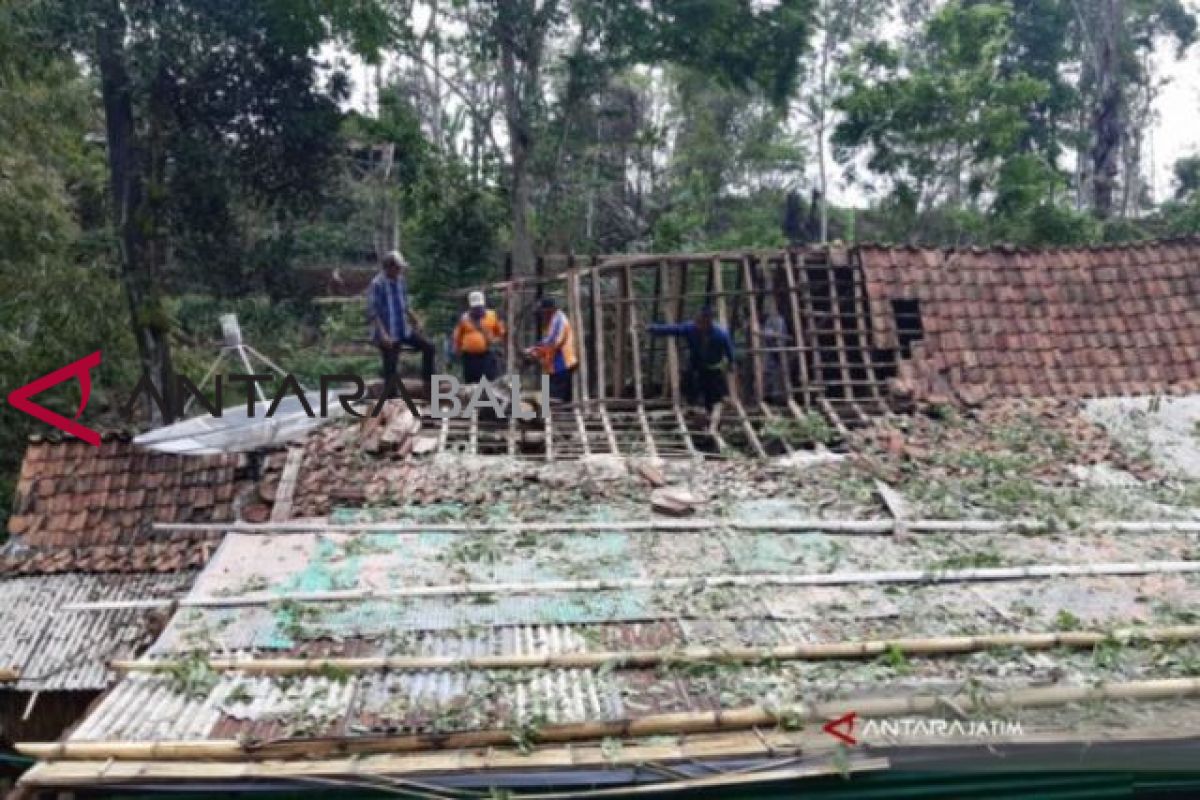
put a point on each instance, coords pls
(479, 366)
(391, 358)
(562, 386)
(704, 385)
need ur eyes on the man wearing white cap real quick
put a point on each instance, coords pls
(478, 330)
(392, 322)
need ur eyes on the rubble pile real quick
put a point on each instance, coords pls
(1007, 457)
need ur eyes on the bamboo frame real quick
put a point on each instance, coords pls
(676, 723)
(803, 524)
(722, 745)
(643, 659)
(510, 361)
(694, 582)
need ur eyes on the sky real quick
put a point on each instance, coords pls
(1177, 132)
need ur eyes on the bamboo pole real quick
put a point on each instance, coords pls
(850, 526)
(510, 363)
(690, 749)
(641, 659)
(693, 582)
(674, 723)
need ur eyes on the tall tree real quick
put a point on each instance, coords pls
(231, 91)
(526, 41)
(840, 26)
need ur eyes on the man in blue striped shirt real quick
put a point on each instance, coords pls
(392, 323)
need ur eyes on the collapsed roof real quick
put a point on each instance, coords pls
(410, 612)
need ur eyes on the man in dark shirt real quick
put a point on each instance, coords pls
(392, 322)
(710, 352)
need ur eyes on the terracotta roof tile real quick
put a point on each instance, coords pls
(74, 495)
(1075, 322)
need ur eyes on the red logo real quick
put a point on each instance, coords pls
(834, 727)
(81, 369)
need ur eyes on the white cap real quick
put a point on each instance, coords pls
(476, 300)
(396, 257)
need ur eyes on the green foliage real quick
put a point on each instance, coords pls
(59, 299)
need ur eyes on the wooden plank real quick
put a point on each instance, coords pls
(608, 430)
(282, 509)
(685, 433)
(583, 434)
(598, 325)
(636, 363)
(756, 341)
(580, 329)
(839, 335)
(672, 381)
(510, 362)
(807, 386)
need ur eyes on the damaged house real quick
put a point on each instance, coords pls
(963, 536)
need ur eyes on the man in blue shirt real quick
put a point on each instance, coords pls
(392, 323)
(710, 352)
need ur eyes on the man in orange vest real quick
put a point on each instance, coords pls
(478, 330)
(555, 351)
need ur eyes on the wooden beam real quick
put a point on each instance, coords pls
(576, 308)
(510, 362)
(608, 430)
(635, 346)
(598, 324)
(282, 509)
(808, 384)
(583, 434)
(756, 341)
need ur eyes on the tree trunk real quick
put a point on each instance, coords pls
(518, 145)
(1107, 119)
(133, 215)
(823, 175)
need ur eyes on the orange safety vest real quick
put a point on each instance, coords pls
(475, 338)
(556, 350)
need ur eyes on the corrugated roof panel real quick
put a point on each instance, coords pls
(55, 650)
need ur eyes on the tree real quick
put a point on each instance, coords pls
(840, 27)
(940, 117)
(1116, 39)
(200, 98)
(525, 42)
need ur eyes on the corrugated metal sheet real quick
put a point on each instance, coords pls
(145, 707)
(54, 650)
